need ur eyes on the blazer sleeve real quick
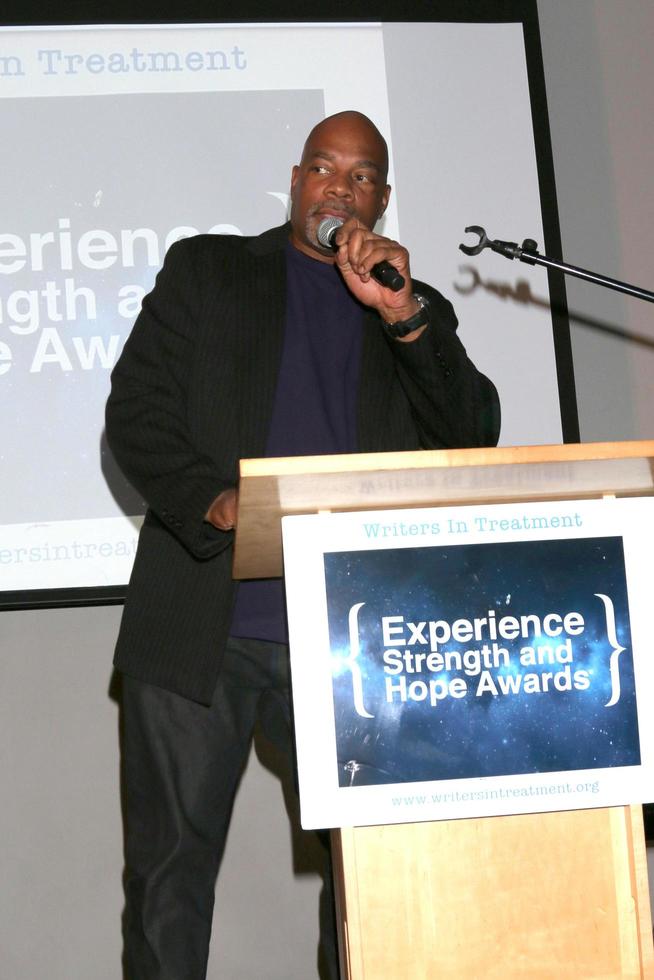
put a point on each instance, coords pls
(146, 415)
(454, 405)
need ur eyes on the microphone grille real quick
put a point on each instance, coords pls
(327, 229)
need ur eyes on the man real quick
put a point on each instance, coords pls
(273, 345)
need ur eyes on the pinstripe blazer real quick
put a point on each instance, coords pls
(192, 393)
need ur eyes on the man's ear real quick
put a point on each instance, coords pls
(294, 176)
(384, 202)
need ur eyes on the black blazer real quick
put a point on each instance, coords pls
(192, 393)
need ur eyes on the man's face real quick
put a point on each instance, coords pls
(343, 173)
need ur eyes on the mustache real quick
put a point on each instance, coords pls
(344, 209)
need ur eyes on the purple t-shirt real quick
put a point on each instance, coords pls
(315, 407)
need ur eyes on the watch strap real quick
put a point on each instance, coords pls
(403, 327)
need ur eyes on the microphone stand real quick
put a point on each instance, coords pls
(527, 253)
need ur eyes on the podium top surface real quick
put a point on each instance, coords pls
(273, 488)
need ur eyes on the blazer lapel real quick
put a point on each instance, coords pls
(264, 308)
(377, 378)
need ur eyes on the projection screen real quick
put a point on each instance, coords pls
(126, 138)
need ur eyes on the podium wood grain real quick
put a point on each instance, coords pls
(273, 488)
(550, 895)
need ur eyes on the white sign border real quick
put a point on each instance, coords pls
(308, 538)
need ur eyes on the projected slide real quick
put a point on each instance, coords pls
(124, 140)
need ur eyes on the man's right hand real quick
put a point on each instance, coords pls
(222, 512)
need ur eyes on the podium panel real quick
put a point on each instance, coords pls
(553, 895)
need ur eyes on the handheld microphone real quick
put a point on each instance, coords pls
(385, 274)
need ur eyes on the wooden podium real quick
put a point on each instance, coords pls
(547, 895)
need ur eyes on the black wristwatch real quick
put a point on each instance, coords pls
(403, 327)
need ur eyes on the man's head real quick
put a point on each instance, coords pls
(342, 172)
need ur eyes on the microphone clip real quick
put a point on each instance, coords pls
(510, 250)
(528, 252)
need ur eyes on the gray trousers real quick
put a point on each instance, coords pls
(181, 764)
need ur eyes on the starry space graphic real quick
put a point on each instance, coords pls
(485, 734)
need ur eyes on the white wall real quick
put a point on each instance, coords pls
(60, 823)
(600, 90)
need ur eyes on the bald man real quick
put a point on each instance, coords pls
(274, 345)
